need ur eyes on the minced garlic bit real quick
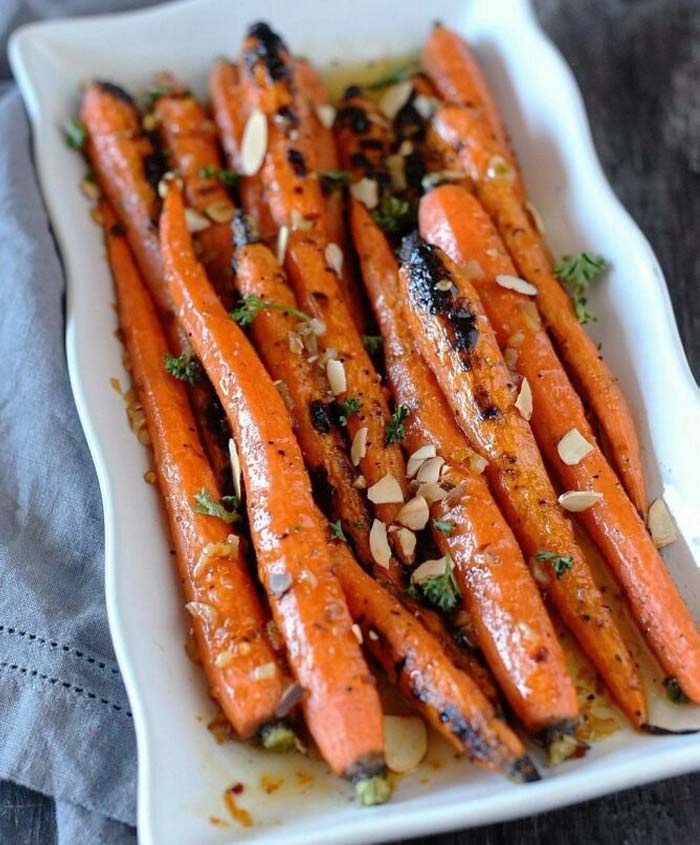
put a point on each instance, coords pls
(386, 491)
(225, 658)
(576, 501)
(661, 525)
(228, 549)
(220, 212)
(254, 143)
(296, 343)
(500, 169)
(516, 283)
(379, 545)
(573, 447)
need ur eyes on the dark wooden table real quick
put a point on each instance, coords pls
(638, 65)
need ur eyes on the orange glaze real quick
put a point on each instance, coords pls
(455, 221)
(342, 708)
(478, 387)
(499, 593)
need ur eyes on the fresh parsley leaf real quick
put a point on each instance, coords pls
(184, 367)
(155, 93)
(560, 563)
(373, 343)
(337, 532)
(228, 178)
(333, 180)
(75, 133)
(346, 408)
(398, 74)
(395, 430)
(444, 526)
(250, 306)
(578, 271)
(395, 215)
(441, 592)
(674, 691)
(205, 503)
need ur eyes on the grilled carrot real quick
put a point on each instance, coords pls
(189, 136)
(363, 137)
(227, 617)
(452, 219)
(448, 699)
(499, 593)
(122, 157)
(464, 130)
(342, 708)
(456, 340)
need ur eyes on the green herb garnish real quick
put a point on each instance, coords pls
(441, 591)
(250, 306)
(395, 215)
(157, 92)
(578, 271)
(395, 430)
(333, 180)
(184, 367)
(398, 74)
(205, 503)
(560, 563)
(337, 532)
(444, 526)
(373, 343)
(346, 408)
(228, 178)
(674, 691)
(75, 133)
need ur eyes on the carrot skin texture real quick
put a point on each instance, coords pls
(182, 470)
(454, 220)
(342, 707)
(463, 130)
(499, 594)
(464, 356)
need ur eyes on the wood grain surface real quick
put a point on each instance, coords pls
(637, 63)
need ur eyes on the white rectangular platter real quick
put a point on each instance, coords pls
(182, 771)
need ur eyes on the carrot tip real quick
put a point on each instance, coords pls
(278, 737)
(373, 790)
(524, 771)
(562, 743)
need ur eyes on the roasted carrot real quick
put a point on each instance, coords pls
(452, 219)
(342, 708)
(448, 699)
(189, 136)
(122, 157)
(496, 186)
(363, 137)
(508, 618)
(455, 338)
(227, 617)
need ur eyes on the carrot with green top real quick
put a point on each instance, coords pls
(341, 707)
(227, 617)
(454, 220)
(456, 340)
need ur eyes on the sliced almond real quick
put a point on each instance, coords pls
(407, 543)
(432, 493)
(326, 114)
(414, 514)
(220, 212)
(358, 449)
(222, 660)
(576, 501)
(395, 98)
(202, 610)
(425, 105)
(477, 463)
(396, 165)
(298, 221)
(661, 525)
(530, 314)
(333, 255)
(429, 472)
(254, 143)
(516, 283)
(335, 373)
(535, 215)
(524, 401)
(406, 148)
(387, 491)
(430, 569)
(235, 467)
(196, 222)
(379, 544)
(360, 483)
(357, 631)
(417, 459)
(573, 447)
(405, 742)
(366, 191)
(282, 240)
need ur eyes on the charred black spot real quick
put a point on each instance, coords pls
(270, 49)
(117, 230)
(414, 170)
(359, 160)
(287, 117)
(490, 412)
(320, 416)
(478, 749)
(323, 489)
(215, 418)
(408, 123)
(244, 229)
(465, 331)
(353, 118)
(372, 144)
(352, 91)
(425, 268)
(117, 91)
(296, 159)
(154, 166)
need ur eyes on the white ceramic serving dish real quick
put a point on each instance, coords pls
(182, 771)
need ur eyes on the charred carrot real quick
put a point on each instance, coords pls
(509, 621)
(496, 187)
(122, 157)
(189, 136)
(448, 699)
(227, 617)
(342, 708)
(453, 335)
(454, 220)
